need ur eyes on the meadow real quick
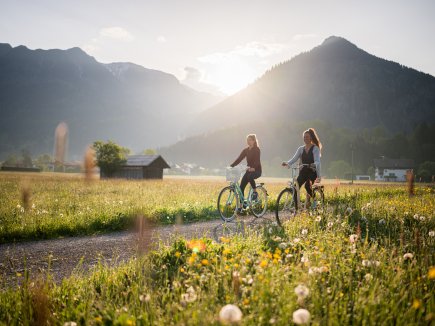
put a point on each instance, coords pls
(367, 258)
(42, 206)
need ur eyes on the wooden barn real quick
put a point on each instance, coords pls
(141, 167)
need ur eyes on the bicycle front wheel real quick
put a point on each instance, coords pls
(318, 198)
(227, 204)
(259, 205)
(285, 206)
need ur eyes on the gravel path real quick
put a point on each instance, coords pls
(62, 256)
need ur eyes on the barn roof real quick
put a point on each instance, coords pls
(390, 163)
(145, 160)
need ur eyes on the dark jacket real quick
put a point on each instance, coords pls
(252, 157)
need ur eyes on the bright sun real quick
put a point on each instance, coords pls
(230, 76)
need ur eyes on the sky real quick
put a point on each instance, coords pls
(221, 46)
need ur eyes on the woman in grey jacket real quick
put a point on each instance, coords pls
(309, 155)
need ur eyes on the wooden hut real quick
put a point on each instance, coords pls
(141, 167)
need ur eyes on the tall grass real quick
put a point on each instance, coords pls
(367, 259)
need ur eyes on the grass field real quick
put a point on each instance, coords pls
(37, 206)
(366, 259)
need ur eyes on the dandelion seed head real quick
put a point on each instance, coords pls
(301, 316)
(230, 314)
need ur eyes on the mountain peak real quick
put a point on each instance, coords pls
(337, 40)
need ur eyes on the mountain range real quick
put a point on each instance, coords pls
(134, 106)
(335, 85)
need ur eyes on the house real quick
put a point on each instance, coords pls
(387, 169)
(141, 167)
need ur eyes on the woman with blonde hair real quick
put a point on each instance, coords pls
(309, 156)
(252, 154)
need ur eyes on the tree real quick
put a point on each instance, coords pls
(339, 169)
(110, 156)
(149, 151)
(426, 171)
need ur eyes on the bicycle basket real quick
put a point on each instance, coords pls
(233, 175)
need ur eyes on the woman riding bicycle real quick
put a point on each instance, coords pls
(252, 154)
(309, 154)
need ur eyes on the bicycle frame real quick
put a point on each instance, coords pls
(295, 185)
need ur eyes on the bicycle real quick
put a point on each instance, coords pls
(231, 198)
(287, 205)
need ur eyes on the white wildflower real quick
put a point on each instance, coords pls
(230, 314)
(349, 211)
(407, 256)
(302, 291)
(301, 316)
(381, 221)
(296, 240)
(304, 259)
(416, 217)
(422, 218)
(330, 224)
(189, 296)
(70, 323)
(432, 233)
(304, 232)
(368, 277)
(353, 238)
(318, 218)
(282, 245)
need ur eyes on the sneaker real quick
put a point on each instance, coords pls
(254, 195)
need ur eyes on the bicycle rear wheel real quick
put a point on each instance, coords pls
(259, 205)
(285, 206)
(227, 204)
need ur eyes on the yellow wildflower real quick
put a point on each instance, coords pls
(204, 262)
(431, 273)
(416, 304)
(263, 263)
(178, 254)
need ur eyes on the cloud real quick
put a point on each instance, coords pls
(117, 33)
(301, 37)
(161, 39)
(192, 74)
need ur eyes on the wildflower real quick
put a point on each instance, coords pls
(407, 256)
(302, 291)
(263, 263)
(282, 245)
(33, 206)
(270, 230)
(432, 233)
(304, 232)
(318, 218)
(204, 262)
(431, 273)
(349, 211)
(145, 298)
(381, 221)
(196, 245)
(353, 238)
(18, 206)
(178, 254)
(189, 296)
(304, 259)
(61, 215)
(422, 218)
(301, 316)
(416, 217)
(330, 224)
(368, 277)
(416, 304)
(70, 323)
(296, 240)
(230, 314)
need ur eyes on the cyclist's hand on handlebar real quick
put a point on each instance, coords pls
(284, 164)
(318, 180)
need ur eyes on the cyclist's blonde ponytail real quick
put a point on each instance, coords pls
(314, 138)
